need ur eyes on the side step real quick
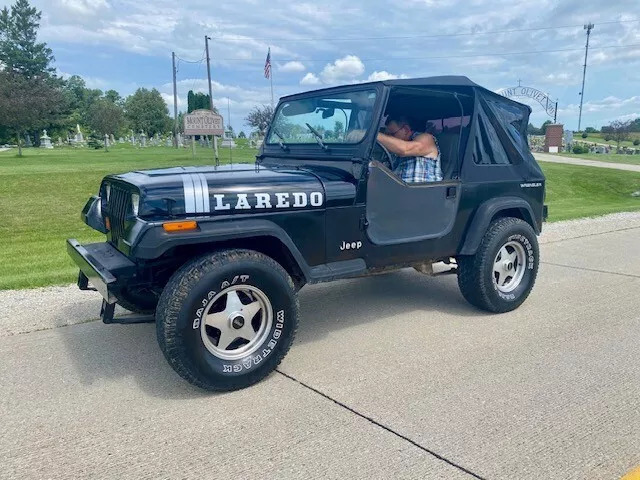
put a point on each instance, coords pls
(335, 270)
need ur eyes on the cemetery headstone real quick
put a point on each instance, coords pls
(78, 138)
(45, 140)
(143, 140)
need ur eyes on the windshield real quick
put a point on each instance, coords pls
(327, 118)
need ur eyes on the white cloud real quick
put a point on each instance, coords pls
(628, 116)
(293, 66)
(310, 79)
(384, 75)
(343, 69)
(83, 7)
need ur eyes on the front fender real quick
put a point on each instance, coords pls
(486, 212)
(155, 242)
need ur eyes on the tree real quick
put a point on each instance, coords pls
(260, 118)
(28, 103)
(242, 134)
(147, 111)
(543, 128)
(532, 130)
(620, 131)
(105, 117)
(19, 51)
(113, 97)
(338, 129)
(590, 130)
(197, 101)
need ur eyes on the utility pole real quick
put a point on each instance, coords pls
(588, 28)
(206, 47)
(175, 102)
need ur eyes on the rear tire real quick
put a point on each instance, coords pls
(501, 274)
(225, 320)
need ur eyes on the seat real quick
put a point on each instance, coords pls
(448, 143)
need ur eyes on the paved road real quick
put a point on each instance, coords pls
(545, 157)
(392, 376)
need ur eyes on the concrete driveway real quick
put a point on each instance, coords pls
(392, 376)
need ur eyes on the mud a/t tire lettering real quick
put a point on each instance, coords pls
(207, 284)
(476, 273)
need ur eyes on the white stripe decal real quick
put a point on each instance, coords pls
(205, 193)
(197, 181)
(189, 194)
(197, 190)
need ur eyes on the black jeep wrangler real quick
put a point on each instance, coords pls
(218, 253)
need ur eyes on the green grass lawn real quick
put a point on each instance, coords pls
(599, 138)
(574, 192)
(42, 194)
(604, 157)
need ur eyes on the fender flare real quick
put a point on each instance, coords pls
(155, 242)
(485, 213)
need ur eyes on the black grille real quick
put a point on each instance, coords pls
(118, 208)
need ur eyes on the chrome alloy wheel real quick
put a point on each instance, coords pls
(236, 322)
(509, 266)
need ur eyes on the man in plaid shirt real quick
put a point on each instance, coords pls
(418, 154)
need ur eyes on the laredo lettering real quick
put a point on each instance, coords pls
(250, 201)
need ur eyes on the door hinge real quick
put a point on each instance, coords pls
(363, 223)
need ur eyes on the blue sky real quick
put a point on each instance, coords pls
(126, 44)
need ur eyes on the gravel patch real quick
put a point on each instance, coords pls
(50, 307)
(26, 311)
(582, 227)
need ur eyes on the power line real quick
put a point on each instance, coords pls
(494, 54)
(439, 35)
(180, 59)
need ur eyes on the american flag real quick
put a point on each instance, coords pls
(267, 65)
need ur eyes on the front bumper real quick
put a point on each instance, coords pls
(103, 265)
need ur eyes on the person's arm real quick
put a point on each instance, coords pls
(423, 145)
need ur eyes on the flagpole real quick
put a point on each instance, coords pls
(271, 77)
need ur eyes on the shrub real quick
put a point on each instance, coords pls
(585, 135)
(636, 142)
(607, 138)
(580, 149)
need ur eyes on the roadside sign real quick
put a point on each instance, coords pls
(203, 122)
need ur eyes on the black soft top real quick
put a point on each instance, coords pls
(436, 81)
(496, 134)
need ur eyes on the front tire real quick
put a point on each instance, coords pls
(501, 274)
(225, 320)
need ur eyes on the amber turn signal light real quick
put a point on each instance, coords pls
(180, 226)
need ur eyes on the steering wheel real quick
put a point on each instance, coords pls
(382, 155)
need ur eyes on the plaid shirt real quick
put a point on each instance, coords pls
(419, 169)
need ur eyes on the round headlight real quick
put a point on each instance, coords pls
(135, 203)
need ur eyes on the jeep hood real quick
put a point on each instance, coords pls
(235, 189)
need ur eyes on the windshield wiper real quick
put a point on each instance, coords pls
(281, 141)
(318, 136)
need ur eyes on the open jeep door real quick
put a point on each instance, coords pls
(399, 212)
